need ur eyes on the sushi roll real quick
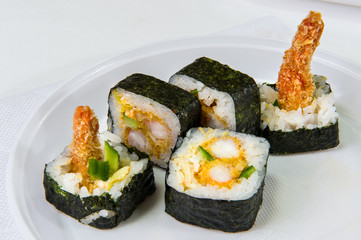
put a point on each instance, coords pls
(298, 112)
(99, 183)
(230, 99)
(151, 115)
(215, 179)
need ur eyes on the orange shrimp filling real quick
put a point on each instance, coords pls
(85, 143)
(156, 146)
(235, 165)
(295, 85)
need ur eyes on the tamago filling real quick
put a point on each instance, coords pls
(143, 130)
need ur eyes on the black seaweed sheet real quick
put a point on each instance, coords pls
(241, 87)
(184, 104)
(302, 140)
(141, 185)
(223, 215)
(227, 216)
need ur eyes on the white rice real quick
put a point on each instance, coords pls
(321, 113)
(224, 108)
(59, 171)
(94, 216)
(256, 153)
(145, 104)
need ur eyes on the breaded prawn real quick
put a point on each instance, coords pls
(295, 85)
(85, 143)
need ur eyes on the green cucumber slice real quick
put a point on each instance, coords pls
(112, 157)
(98, 170)
(130, 121)
(204, 154)
(246, 173)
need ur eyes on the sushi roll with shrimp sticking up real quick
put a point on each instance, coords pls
(99, 183)
(215, 179)
(298, 112)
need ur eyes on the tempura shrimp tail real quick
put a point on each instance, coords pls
(85, 143)
(295, 86)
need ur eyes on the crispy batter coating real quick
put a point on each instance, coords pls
(85, 143)
(295, 86)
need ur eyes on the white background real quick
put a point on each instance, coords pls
(48, 41)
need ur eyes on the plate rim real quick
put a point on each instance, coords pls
(26, 228)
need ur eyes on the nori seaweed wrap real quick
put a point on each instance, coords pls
(215, 179)
(98, 183)
(230, 99)
(101, 211)
(302, 140)
(309, 129)
(150, 115)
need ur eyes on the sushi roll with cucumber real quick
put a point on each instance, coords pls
(215, 179)
(298, 112)
(230, 99)
(98, 182)
(151, 115)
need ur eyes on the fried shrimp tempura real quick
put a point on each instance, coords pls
(295, 85)
(85, 143)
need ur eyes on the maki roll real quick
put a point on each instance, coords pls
(215, 179)
(298, 112)
(150, 115)
(99, 183)
(230, 99)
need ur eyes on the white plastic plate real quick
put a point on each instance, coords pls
(313, 195)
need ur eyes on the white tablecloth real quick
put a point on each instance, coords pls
(15, 110)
